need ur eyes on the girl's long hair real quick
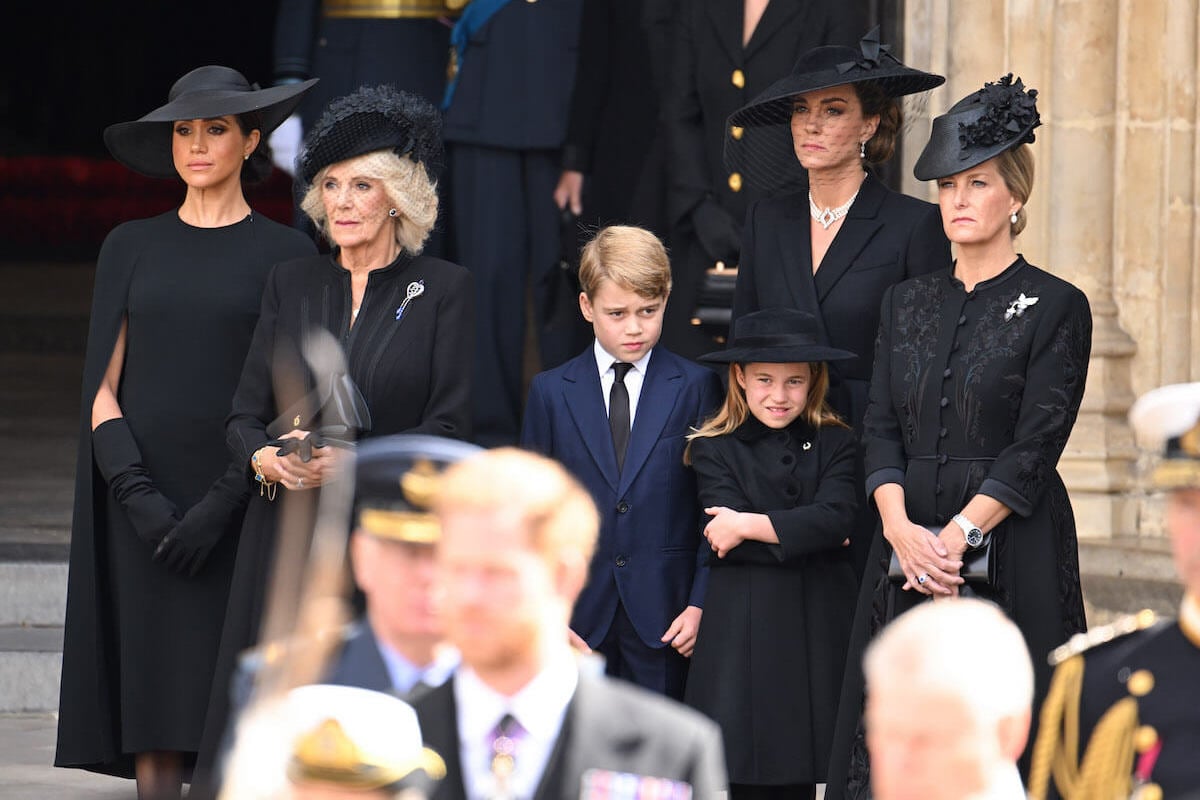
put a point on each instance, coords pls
(735, 411)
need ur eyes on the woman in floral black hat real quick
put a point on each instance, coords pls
(403, 321)
(157, 508)
(978, 378)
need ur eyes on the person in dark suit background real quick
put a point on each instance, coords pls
(1122, 718)
(397, 646)
(520, 717)
(642, 604)
(724, 53)
(505, 122)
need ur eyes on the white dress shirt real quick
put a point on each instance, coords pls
(539, 708)
(633, 379)
(405, 674)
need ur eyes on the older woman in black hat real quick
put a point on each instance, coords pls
(775, 471)
(175, 304)
(978, 378)
(403, 320)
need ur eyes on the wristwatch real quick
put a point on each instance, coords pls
(970, 530)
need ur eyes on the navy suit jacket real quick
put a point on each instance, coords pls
(650, 554)
(515, 81)
(360, 663)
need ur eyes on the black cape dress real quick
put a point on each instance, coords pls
(769, 657)
(413, 369)
(975, 393)
(141, 640)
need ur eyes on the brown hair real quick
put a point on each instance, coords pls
(558, 512)
(632, 258)
(874, 100)
(735, 410)
(257, 168)
(1015, 166)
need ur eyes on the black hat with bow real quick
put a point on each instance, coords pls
(144, 145)
(776, 336)
(982, 125)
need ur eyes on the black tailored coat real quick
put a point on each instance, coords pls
(707, 53)
(413, 373)
(1170, 652)
(969, 399)
(514, 83)
(770, 654)
(609, 725)
(884, 238)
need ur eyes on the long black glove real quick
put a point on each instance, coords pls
(719, 233)
(187, 546)
(120, 462)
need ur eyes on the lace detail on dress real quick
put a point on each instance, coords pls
(992, 339)
(916, 326)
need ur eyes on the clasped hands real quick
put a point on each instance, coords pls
(935, 557)
(289, 466)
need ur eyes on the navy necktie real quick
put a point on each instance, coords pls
(618, 411)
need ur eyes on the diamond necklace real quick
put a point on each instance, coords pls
(830, 215)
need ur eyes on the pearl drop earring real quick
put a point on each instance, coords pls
(862, 149)
(1013, 218)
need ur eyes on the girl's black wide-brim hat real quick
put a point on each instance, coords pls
(776, 336)
(982, 125)
(760, 147)
(369, 119)
(144, 145)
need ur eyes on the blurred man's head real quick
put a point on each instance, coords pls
(949, 690)
(517, 536)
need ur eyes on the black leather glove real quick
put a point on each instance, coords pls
(186, 546)
(719, 233)
(120, 462)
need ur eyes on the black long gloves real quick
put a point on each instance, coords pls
(120, 462)
(187, 546)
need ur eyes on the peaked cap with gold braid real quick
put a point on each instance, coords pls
(1167, 420)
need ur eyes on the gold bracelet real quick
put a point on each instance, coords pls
(266, 488)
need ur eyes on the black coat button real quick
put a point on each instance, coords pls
(945, 401)
(962, 320)
(953, 346)
(790, 490)
(620, 561)
(943, 458)
(947, 372)
(938, 489)
(787, 459)
(622, 507)
(943, 433)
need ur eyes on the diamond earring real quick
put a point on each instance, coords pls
(394, 212)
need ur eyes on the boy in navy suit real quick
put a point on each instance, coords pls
(616, 417)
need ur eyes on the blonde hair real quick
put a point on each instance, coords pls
(1015, 166)
(735, 410)
(407, 187)
(630, 257)
(557, 511)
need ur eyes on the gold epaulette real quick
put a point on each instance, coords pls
(1081, 642)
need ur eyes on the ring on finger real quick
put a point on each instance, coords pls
(922, 579)
(299, 483)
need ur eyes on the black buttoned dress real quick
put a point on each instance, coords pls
(976, 393)
(770, 654)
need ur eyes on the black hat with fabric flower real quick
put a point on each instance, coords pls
(369, 119)
(985, 123)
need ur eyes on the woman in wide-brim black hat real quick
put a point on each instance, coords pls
(403, 320)
(978, 381)
(174, 308)
(775, 474)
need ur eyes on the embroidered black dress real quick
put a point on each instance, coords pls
(414, 372)
(768, 662)
(977, 392)
(141, 640)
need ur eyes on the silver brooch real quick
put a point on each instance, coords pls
(1017, 307)
(415, 289)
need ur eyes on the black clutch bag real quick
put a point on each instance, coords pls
(335, 414)
(714, 305)
(978, 569)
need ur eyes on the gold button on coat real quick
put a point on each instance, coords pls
(738, 79)
(735, 181)
(736, 132)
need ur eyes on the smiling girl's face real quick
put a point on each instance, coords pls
(775, 393)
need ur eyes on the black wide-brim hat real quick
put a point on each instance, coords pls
(144, 145)
(835, 65)
(369, 119)
(396, 479)
(776, 336)
(985, 123)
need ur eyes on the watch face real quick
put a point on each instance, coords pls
(974, 537)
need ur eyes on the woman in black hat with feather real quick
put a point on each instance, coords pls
(403, 321)
(175, 304)
(978, 378)
(775, 473)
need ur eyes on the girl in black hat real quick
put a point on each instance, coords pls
(978, 378)
(403, 321)
(175, 304)
(775, 470)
